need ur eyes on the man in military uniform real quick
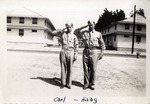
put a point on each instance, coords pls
(93, 51)
(68, 53)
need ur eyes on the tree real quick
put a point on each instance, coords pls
(109, 17)
(140, 12)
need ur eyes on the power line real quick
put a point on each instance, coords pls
(33, 11)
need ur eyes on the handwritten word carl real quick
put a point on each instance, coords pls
(60, 99)
(89, 99)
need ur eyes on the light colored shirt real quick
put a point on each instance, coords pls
(91, 39)
(68, 40)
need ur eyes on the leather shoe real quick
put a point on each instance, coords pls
(85, 87)
(92, 87)
(69, 87)
(62, 86)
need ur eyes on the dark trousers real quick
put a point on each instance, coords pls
(90, 60)
(66, 62)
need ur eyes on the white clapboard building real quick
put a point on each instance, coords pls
(118, 36)
(26, 27)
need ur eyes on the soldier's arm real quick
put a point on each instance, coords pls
(101, 43)
(102, 47)
(76, 45)
(75, 48)
(78, 30)
(58, 32)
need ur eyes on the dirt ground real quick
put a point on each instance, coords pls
(38, 74)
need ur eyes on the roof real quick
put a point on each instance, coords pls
(49, 21)
(138, 20)
(126, 33)
(24, 12)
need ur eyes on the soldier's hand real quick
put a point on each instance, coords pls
(64, 29)
(101, 55)
(75, 57)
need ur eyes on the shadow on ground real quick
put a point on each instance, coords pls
(57, 81)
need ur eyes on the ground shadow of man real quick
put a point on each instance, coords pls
(57, 81)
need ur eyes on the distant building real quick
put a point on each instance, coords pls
(25, 26)
(118, 36)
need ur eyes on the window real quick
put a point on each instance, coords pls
(139, 27)
(115, 26)
(127, 26)
(21, 32)
(104, 39)
(8, 19)
(34, 20)
(138, 39)
(108, 29)
(34, 30)
(114, 37)
(21, 20)
(126, 36)
(8, 29)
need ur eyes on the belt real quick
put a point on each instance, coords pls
(92, 48)
(68, 48)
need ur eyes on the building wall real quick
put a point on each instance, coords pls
(55, 40)
(27, 22)
(126, 42)
(48, 38)
(121, 27)
(38, 34)
(29, 36)
(110, 41)
(109, 30)
(12, 33)
(142, 44)
(115, 42)
(27, 33)
(41, 36)
(121, 41)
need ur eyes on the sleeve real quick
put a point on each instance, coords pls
(77, 32)
(57, 32)
(101, 43)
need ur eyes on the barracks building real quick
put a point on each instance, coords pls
(26, 27)
(118, 36)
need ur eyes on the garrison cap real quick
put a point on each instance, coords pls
(69, 25)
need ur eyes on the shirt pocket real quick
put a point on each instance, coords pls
(95, 41)
(64, 41)
(71, 41)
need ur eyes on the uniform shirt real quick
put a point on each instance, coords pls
(91, 39)
(67, 40)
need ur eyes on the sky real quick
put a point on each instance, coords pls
(77, 12)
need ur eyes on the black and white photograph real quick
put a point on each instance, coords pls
(74, 52)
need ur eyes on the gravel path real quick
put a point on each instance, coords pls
(38, 74)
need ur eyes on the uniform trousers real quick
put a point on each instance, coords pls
(90, 60)
(66, 62)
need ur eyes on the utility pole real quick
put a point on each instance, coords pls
(133, 34)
